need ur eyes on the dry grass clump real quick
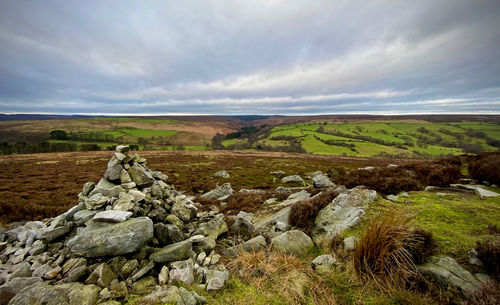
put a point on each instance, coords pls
(489, 254)
(489, 295)
(282, 274)
(304, 212)
(484, 167)
(382, 252)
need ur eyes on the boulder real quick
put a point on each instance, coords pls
(184, 208)
(65, 294)
(125, 202)
(343, 212)
(182, 272)
(445, 269)
(320, 180)
(172, 253)
(243, 225)
(293, 242)
(222, 191)
(293, 179)
(113, 173)
(216, 279)
(115, 239)
(167, 234)
(107, 189)
(212, 228)
(11, 288)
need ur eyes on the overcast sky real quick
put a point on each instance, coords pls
(249, 57)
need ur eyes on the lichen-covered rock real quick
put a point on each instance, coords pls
(216, 279)
(222, 191)
(293, 242)
(343, 212)
(114, 239)
(172, 253)
(222, 174)
(323, 263)
(65, 294)
(320, 180)
(140, 175)
(293, 179)
(255, 244)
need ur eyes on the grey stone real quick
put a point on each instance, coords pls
(294, 198)
(222, 174)
(42, 270)
(350, 243)
(123, 149)
(83, 216)
(447, 270)
(113, 173)
(140, 175)
(14, 286)
(167, 234)
(107, 189)
(293, 179)
(137, 195)
(473, 258)
(255, 244)
(159, 175)
(268, 225)
(184, 208)
(282, 190)
(143, 271)
(52, 273)
(87, 188)
(21, 270)
(278, 173)
(243, 225)
(182, 272)
(216, 279)
(343, 212)
(293, 242)
(102, 276)
(219, 192)
(323, 263)
(125, 177)
(125, 202)
(116, 239)
(96, 201)
(37, 248)
(144, 285)
(52, 234)
(128, 268)
(112, 216)
(163, 275)
(320, 181)
(392, 197)
(76, 274)
(171, 253)
(213, 227)
(172, 219)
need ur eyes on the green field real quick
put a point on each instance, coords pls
(392, 139)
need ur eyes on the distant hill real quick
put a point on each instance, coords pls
(26, 117)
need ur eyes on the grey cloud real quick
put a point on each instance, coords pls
(249, 57)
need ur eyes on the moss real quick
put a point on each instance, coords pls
(237, 292)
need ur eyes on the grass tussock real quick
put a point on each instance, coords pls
(382, 253)
(489, 295)
(423, 247)
(282, 274)
(304, 212)
(489, 254)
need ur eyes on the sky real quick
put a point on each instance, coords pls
(233, 57)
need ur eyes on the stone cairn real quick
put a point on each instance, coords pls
(130, 234)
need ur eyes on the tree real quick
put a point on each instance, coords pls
(59, 135)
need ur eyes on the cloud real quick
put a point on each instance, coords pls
(249, 57)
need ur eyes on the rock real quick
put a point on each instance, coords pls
(268, 225)
(112, 216)
(42, 270)
(21, 270)
(173, 295)
(96, 201)
(392, 197)
(144, 285)
(128, 268)
(102, 276)
(83, 216)
(219, 192)
(87, 188)
(343, 212)
(213, 227)
(295, 197)
(293, 242)
(167, 234)
(182, 272)
(321, 180)
(143, 271)
(140, 175)
(137, 195)
(159, 176)
(172, 219)
(52, 273)
(278, 173)
(125, 177)
(221, 174)
(483, 193)
(52, 234)
(11, 288)
(254, 244)
(283, 190)
(216, 279)
(243, 225)
(123, 149)
(125, 202)
(404, 195)
(107, 189)
(171, 253)
(65, 294)
(115, 239)
(163, 276)
(184, 209)
(350, 243)
(113, 173)
(323, 263)
(473, 258)
(368, 168)
(293, 179)
(446, 269)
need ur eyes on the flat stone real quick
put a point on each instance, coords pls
(219, 192)
(96, 201)
(83, 216)
(171, 253)
(112, 216)
(123, 149)
(87, 188)
(140, 175)
(293, 242)
(115, 239)
(216, 279)
(143, 271)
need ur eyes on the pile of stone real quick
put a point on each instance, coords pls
(130, 234)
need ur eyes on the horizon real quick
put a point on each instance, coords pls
(293, 58)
